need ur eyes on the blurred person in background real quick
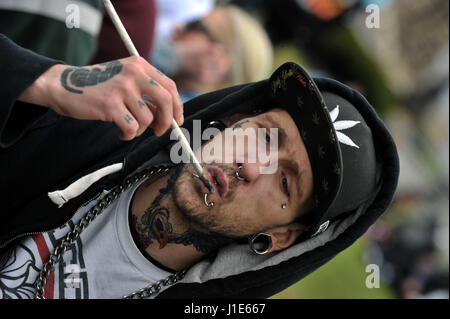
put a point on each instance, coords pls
(176, 13)
(320, 30)
(415, 272)
(224, 48)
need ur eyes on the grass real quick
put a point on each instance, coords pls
(344, 277)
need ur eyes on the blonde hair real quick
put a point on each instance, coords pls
(249, 46)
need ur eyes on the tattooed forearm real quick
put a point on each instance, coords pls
(73, 78)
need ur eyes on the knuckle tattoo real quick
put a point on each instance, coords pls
(159, 72)
(154, 83)
(128, 118)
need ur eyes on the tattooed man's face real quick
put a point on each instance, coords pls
(244, 207)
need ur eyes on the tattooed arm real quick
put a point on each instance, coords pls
(129, 92)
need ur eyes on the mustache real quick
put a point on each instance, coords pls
(229, 171)
(233, 182)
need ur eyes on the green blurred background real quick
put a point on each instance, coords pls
(400, 62)
(402, 68)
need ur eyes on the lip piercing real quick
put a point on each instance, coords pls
(205, 198)
(210, 204)
(237, 173)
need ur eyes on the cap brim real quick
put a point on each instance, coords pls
(295, 90)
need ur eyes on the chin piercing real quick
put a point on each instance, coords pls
(237, 173)
(210, 204)
(284, 205)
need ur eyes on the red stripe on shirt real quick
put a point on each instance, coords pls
(44, 252)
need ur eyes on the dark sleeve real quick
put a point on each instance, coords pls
(19, 68)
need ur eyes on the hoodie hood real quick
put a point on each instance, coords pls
(235, 271)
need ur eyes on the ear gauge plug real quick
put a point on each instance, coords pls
(260, 243)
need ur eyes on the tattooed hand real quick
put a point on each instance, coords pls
(129, 92)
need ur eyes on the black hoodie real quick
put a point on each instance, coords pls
(42, 152)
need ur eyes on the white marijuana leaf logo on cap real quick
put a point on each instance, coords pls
(342, 125)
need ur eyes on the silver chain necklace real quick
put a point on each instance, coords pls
(85, 221)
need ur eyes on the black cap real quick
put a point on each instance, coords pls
(338, 141)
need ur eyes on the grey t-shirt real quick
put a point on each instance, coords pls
(104, 261)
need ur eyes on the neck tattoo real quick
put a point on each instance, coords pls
(155, 225)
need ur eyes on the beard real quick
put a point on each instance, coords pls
(188, 197)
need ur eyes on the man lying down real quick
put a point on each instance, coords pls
(86, 215)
